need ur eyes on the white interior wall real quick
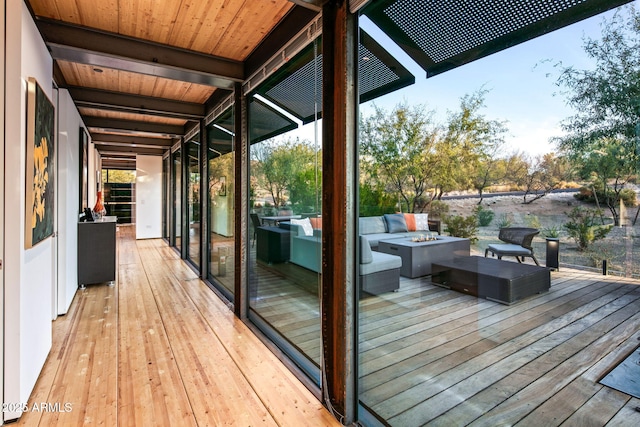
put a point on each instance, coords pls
(148, 197)
(2, 148)
(29, 274)
(69, 123)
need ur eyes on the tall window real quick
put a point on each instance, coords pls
(193, 199)
(177, 198)
(286, 222)
(221, 190)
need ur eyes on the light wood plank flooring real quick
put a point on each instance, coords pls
(431, 356)
(160, 349)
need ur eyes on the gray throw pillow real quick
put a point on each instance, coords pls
(366, 257)
(396, 223)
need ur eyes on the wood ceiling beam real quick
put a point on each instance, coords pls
(88, 46)
(119, 125)
(128, 103)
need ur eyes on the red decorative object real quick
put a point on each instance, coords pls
(99, 208)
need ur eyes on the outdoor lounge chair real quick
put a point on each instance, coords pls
(256, 222)
(517, 243)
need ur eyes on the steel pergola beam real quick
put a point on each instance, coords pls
(88, 46)
(116, 101)
(119, 125)
(130, 140)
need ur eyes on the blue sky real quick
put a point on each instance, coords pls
(520, 90)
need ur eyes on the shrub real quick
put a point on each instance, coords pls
(485, 216)
(628, 196)
(533, 221)
(504, 221)
(459, 226)
(376, 201)
(583, 226)
(438, 209)
(553, 231)
(585, 194)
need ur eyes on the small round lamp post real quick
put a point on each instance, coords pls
(553, 250)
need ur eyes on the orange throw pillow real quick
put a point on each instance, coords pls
(411, 221)
(316, 223)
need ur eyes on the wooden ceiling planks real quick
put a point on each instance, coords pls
(138, 84)
(229, 28)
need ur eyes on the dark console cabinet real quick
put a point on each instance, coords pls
(97, 251)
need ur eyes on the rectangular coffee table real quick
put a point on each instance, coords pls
(417, 257)
(502, 281)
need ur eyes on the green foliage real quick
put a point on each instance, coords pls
(459, 226)
(397, 151)
(485, 216)
(411, 155)
(586, 194)
(552, 231)
(287, 171)
(504, 221)
(438, 209)
(601, 138)
(584, 226)
(533, 221)
(375, 201)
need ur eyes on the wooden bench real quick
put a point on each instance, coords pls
(517, 243)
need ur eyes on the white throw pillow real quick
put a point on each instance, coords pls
(422, 222)
(305, 224)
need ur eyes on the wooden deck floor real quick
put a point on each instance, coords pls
(431, 356)
(160, 349)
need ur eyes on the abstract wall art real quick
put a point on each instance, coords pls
(40, 168)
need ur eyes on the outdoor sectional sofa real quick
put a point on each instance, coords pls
(378, 272)
(392, 226)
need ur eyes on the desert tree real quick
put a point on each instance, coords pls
(603, 136)
(397, 151)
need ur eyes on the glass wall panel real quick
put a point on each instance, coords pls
(166, 200)
(177, 198)
(221, 202)
(286, 223)
(193, 199)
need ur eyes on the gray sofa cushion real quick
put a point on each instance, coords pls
(381, 262)
(396, 223)
(372, 225)
(366, 257)
(373, 239)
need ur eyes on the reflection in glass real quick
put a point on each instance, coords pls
(177, 198)
(193, 200)
(166, 207)
(286, 237)
(221, 202)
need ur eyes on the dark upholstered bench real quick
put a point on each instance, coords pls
(517, 243)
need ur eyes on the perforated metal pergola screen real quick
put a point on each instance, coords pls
(267, 122)
(441, 35)
(297, 86)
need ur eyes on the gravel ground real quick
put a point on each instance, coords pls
(621, 247)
